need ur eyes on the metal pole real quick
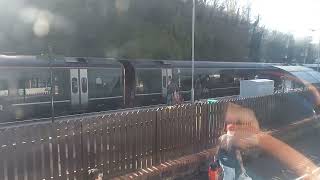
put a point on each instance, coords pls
(193, 23)
(51, 82)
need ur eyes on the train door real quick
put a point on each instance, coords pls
(129, 80)
(79, 87)
(166, 74)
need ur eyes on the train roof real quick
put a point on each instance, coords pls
(304, 73)
(211, 64)
(294, 68)
(42, 61)
(145, 63)
(311, 65)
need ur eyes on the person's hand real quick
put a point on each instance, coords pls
(246, 125)
(247, 134)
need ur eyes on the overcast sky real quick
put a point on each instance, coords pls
(295, 16)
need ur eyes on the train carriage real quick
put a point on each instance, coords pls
(41, 87)
(216, 79)
(79, 85)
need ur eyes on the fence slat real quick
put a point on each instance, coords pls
(69, 147)
(157, 140)
(122, 143)
(169, 135)
(20, 155)
(189, 130)
(179, 131)
(184, 124)
(45, 131)
(3, 149)
(85, 146)
(131, 140)
(98, 137)
(62, 150)
(205, 116)
(140, 138)
(111, 144)
(78, 150)
(159, 134)
(11, 161)
(150, 137)
(143, 128)
(126, 151)
(128, 142)
(175, 131)
(117, 143)
(106, 144)
(166, 130)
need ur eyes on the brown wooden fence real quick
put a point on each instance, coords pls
(121, 142)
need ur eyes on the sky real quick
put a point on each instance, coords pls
(298, 17)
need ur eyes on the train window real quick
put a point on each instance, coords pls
(104, 83)
(305, 76)
(148, 81)
(98, 81)
(62, 92)
(28, 91)
(61, 84)
(4, 88)
(314, 74)
(164, 81)
(74, 84)
(84, 85)
(34, 84)
(184, 78)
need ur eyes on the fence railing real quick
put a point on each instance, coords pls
(119, 143)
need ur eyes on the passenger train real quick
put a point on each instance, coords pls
(315, 67)
(34, 87)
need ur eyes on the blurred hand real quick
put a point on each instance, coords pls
(248, 134)
(246, 125)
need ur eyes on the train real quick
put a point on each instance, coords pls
(315, 67)
(36, 87)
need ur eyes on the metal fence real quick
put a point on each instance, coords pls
(122, 142)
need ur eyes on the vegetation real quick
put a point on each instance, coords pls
(154, 29)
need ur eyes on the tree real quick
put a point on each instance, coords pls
(153, 29)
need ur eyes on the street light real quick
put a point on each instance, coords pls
(193, 23)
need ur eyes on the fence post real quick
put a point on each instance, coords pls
(155, 158)
(206, 125)
(84, 170)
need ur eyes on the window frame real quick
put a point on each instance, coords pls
(74, 85)
(158, 91)
(84, 85)
(91, 81)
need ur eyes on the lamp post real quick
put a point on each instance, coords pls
(193, 24)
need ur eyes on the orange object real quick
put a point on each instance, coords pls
(213, 174)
